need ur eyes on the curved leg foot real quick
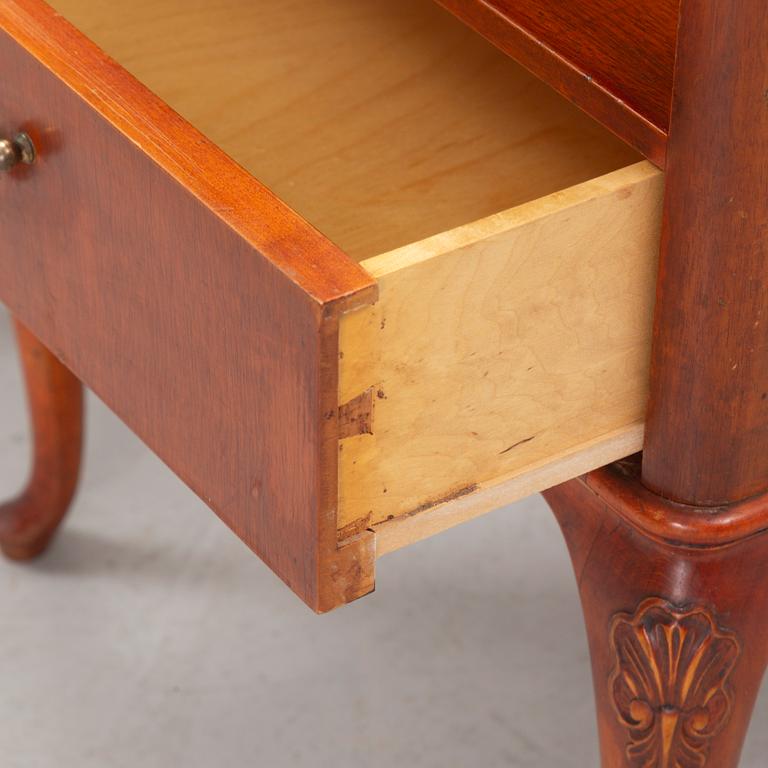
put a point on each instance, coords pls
(55, 399)
(675, 600)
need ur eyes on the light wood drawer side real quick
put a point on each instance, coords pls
(501, 346)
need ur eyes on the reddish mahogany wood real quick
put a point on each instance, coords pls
(195, 303)
(55, 399)
(668, 520)
(707, 428)
(676, 631)
(613, 58)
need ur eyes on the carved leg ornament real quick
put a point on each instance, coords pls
(56, 409)
(675, 600)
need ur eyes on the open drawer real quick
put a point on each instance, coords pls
(472, 325)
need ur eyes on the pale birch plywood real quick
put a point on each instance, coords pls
(504, 344)
(380, 121)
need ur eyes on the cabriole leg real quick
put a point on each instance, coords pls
(675, 601)
(55, 401)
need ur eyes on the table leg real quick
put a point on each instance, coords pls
(675, 601)
(55, 402)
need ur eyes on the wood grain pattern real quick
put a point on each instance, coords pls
(55, 400)
(195, 303)
(487, 497)
(678, 650)
(614, 58)
(500, 345)
(243, 346)
(707, 435)
(381, 122)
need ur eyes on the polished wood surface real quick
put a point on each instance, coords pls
(501, 346)
(614, 58)
(239, 201)
(676, 627)
(382, 122)
(194, 303)
(707, 436)
(55, 400)
(670, 564)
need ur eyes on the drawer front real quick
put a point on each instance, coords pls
(194, 303)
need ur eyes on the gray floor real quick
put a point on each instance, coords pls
(150, 637)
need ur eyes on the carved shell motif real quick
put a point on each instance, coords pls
(669, 684)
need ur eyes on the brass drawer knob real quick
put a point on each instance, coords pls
(19, 149)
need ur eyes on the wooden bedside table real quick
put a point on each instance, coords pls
(357, 276)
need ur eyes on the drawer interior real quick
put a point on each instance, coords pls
(381, 122)
(512, 239)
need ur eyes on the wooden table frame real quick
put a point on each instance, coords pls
(668, 551)
(670, 557)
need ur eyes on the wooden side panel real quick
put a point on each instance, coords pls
(614, 58)
(120, 251)
(501, 345)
